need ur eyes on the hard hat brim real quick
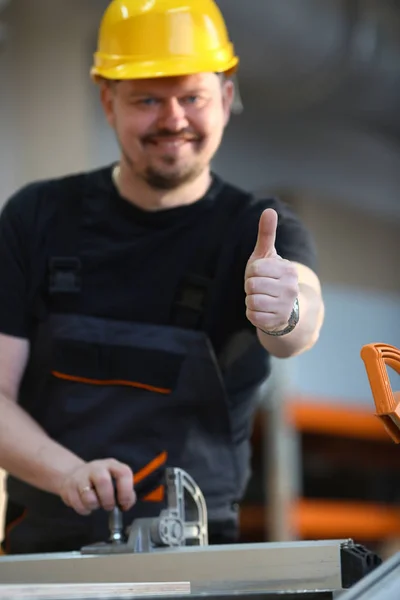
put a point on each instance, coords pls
(157, 69)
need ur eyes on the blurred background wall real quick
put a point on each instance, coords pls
(320, 127)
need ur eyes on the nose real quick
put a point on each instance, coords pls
(173, 115)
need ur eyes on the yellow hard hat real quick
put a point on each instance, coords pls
(162, 38)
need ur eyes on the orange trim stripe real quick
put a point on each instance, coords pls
(10, 527)
(152, 466)
(156, 495)
(134, 384)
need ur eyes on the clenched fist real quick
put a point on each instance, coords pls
(271, 283)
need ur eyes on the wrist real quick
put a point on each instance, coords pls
(63, 465)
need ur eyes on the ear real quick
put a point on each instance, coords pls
(107, 97)
(228, 94)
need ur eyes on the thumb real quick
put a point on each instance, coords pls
(265, 245)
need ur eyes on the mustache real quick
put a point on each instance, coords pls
(185, 134)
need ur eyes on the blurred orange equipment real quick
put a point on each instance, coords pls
(377, 357)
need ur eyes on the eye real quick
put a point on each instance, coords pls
(191, 99)
(198, 101)
(147, 102)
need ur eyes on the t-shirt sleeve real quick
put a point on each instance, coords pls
(15, 237)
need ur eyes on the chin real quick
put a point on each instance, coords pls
(170, 179)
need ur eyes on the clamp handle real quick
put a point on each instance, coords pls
(377, 357)
(116, 521)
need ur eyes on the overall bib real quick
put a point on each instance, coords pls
(147, 395)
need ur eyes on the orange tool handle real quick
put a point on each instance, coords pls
(377, 357)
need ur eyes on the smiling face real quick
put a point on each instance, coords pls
(170, 128)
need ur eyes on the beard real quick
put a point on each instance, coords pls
(173, 178)
(170, 173)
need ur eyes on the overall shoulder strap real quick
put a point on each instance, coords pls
(60, 273)
(194, 294)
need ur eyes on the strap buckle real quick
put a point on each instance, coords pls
(190, 305)
(65, 275)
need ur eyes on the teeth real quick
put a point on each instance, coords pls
(172, 144)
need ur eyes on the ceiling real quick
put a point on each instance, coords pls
(337, 57)
(321, 82)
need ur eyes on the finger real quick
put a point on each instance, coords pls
(270, 305)
(124, 483)
(89, 498)
(263, 303)
(75, 502)
(270, 267)
(265, 321)
(265, 245)
(101, 480)
(263, 285)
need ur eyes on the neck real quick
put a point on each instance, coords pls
(137, 191)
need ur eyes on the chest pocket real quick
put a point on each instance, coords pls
(115, 366)
(113, 397)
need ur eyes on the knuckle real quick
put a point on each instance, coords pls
(253, 303)
(101, 479)
(70, 481)
(126, 472)
(118, 468)
(95, 465)
(294, 289)
(291, 271)
(250, 315)
(252, 270)
(252, 285)
(258, 268)
(104, 464)
(248, 274)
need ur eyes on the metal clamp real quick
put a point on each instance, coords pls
(169, 529)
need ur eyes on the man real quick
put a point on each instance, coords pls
(141, 302)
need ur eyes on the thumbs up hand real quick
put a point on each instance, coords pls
(271, 283)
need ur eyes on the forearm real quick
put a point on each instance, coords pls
(306, 332)
(28, 453)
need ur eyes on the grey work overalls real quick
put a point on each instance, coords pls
(149, 396)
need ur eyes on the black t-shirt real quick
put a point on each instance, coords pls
(134, 260)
